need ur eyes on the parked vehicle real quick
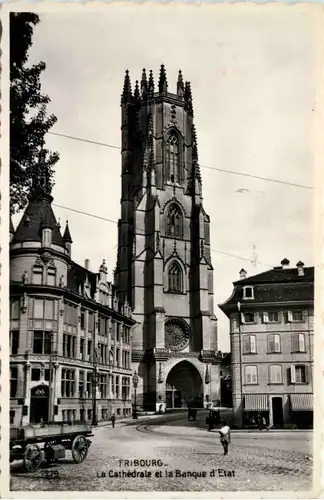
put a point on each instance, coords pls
(35, 443)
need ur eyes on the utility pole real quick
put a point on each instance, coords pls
(94, 387)
(50, 382)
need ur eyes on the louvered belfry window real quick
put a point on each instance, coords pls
(175, 278)
(172, 163)
(174, 222)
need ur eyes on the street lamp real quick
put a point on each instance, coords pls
(135, 383)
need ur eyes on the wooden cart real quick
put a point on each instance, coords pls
(35, 443)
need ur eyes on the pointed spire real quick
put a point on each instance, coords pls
(67, 235)
(195, 160)
(180, 85)
(136, 92)
(144, 84)
(58, 224)
(188, 99)
(163, 83)
(127, 90)
(151, 83)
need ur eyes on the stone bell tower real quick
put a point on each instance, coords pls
(164, 268)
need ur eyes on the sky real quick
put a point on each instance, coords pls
(252, 77)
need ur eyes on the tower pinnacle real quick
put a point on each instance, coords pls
(188, 98)
(144, 84)
(180, 86)
(163, 83)
(127, 90)
(151, 83)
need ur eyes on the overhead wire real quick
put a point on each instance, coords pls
(232, 172)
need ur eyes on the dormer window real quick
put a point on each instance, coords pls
(47, 237)
(248, 292)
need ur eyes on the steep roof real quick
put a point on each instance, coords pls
(77, 276)
(279, 275)
(38, 213)
(276, 285)
(67, 234)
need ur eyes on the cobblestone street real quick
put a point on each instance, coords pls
(170, 451)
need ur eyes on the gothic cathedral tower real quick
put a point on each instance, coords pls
(164, 268)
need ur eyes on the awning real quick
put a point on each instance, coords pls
(301, 402)
(256, 402)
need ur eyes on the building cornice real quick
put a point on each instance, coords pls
(59, 292)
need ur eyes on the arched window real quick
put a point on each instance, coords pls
(174, 222)
(172, 163)
(175, 282)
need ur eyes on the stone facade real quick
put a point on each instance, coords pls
(69, 334)
(272, 345)
(164, 268)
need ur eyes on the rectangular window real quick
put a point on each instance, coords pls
(270, 317)
(49, 309)
(295, 316)
(274, 344)
(117, 332)
(14, 341)
(103, 385)
(90, 321)
(248, 318)
(37, 277)
(81, 384)
(117, 357)
(89, 384)
(251, 375)
(113, 330)
(82, 319)
(275, 374)
(298, 342)
(248, 292)
(13, 381)
(35, 374)
(47, 375)
(39, 308)
(15, 309)
(69, 343)
(249, 344)
(82, 345)
(42, 342)
(89, 352)
(117, 387)
(51, 278)
(67, 383)
(300, 374)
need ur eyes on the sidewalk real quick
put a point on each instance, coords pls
(126, 421)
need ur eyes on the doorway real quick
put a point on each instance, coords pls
(184, 386)
(39, 404)
(277, 412)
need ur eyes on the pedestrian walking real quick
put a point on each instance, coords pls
(225, 436)
(113, 420)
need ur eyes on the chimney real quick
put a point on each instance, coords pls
(243, 274)
(300, 268)
(285, 263)
(87, 264)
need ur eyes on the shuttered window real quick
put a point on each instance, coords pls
(249, 344)
(298, 342)
(275, 374)
(274, 344)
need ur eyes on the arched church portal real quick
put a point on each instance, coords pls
(184, 386)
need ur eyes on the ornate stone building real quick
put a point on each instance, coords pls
(69, 335)
(164, 268)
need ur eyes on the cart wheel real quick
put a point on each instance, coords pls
(79, 449)
(32, 457)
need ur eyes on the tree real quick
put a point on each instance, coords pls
(29, 121)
